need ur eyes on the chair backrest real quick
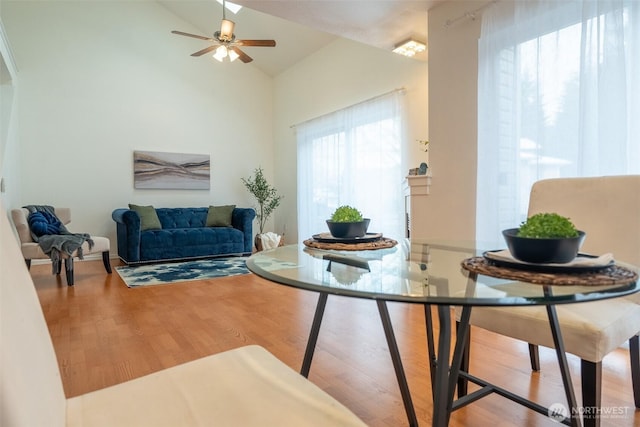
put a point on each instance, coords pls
(20, 216)
(30, 383)
(606, 208)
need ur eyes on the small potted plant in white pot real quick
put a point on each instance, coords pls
(268, 200)
(347, 222)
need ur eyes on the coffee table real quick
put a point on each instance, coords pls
(427, 272)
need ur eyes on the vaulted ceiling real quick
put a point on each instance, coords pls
(301, 27)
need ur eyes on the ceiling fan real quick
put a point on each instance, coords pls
(225, 43)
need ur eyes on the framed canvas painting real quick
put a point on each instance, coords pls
(156, 170)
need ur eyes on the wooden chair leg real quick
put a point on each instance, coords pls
(106, 261)
(28, 262)
(68, 267)
(534, 357)
(463, 384)
(591, 392)
(634, 354)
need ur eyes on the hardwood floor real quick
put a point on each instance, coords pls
(105, 333)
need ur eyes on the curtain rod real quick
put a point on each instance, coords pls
(401, 90)
(469, 14)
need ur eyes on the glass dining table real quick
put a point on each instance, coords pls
(444, 274)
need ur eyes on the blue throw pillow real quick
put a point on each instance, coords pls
(42, 223)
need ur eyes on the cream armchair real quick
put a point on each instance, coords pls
(608, 210)
(31, 250)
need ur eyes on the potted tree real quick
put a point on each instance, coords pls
(268, 200)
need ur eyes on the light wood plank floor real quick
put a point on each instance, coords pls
(105, 333)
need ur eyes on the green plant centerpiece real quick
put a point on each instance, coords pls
(545, 238)
(267, 197)
(547, 226)
(347, 222)
(346, 214)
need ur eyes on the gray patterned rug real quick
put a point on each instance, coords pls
(158, 274)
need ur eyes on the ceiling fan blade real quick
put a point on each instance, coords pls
(243, 56)
(205, 50)
(267, 43)
(195, 36)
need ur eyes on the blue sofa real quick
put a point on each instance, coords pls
(183, 235)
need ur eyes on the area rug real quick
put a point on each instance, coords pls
(158, 274)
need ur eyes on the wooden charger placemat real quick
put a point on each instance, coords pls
(382, 243)
(614, 275)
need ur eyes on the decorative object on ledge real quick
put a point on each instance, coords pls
(171, 171)
(422, 169)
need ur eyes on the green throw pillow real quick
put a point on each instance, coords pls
(148, 217)
(220, 216)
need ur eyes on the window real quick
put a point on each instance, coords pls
(352, 157)
(558, 96)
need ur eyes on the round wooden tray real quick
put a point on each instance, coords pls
(383, 242)
(614, 275)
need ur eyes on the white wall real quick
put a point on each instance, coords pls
(99, 80)
(337, 76)
(8, 120)
(453, 65)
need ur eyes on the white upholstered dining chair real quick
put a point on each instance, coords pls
(608, 210)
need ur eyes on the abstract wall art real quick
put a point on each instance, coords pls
(156, 170)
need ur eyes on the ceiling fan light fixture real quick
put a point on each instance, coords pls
(410, 47)
(226, 30)
(221, 53)
(233, 55)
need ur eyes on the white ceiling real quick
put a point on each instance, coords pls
(301, 27)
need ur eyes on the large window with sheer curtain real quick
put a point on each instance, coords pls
(353, 157)
(558, 96)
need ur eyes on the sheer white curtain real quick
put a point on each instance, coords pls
(353, 157)
(558, 96)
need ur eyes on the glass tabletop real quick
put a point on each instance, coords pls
(419, 271)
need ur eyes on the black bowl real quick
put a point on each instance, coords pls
(344, 230)
(543, 251)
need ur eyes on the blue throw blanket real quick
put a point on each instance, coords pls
(51, 234)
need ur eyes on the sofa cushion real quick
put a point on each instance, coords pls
(148, 217)
(220, 216)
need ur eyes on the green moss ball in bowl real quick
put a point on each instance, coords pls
(545, 238)
(347, 222)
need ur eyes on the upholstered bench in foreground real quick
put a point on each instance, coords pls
(245, 387)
